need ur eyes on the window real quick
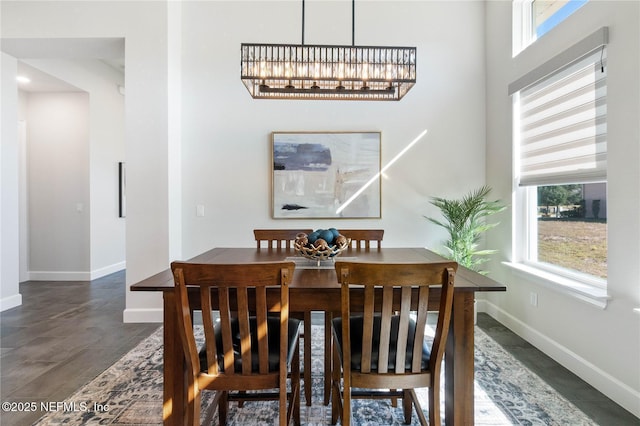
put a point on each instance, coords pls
(560, 133)
(570, 229)
(546, 14)
(534, 18)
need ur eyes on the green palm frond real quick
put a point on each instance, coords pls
(464, 220)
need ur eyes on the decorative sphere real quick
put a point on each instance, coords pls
(335, 232)
(327, 235)
(341, 240)
(312, 237)
(321, 244)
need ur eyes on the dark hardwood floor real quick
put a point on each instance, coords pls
(66, 333)
(61, 337)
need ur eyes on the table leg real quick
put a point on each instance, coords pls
(459, 363)
(174, 392)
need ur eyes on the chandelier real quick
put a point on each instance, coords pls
(305, 71)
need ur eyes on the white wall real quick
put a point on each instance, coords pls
(9, 157)
(23, 195)
(601, 346)
(143, 26)
(58, 184)
(105, 147)
(226, 134)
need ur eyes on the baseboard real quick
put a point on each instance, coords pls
(613, 388)
(76, 275)
(59, 276)
(116, 267)
(10, 302)
(143, 315)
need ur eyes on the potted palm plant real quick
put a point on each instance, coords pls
(465, 221)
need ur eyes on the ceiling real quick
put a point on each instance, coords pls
(108, 50)
(41, 81)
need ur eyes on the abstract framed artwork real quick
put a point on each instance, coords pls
(326, 175)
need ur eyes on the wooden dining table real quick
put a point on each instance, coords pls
(315, 288)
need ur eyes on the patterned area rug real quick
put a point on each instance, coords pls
(130, 393)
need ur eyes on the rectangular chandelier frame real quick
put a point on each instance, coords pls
(304, 71)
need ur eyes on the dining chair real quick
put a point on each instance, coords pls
(364, 238)
(283, 239)
(380, 335)
(247, 348)
(359, 239)
(277, 238)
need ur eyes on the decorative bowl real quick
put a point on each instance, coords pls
(320, 251)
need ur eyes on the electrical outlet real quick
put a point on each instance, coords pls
(533, 299)
(200, 210)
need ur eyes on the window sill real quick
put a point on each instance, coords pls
(579, 290)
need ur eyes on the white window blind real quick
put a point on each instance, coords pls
(563, 125)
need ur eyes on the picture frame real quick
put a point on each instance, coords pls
(325, 175)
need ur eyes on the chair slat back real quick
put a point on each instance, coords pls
(364, 238)
(398, 290)
(277, 238)
(238, 291)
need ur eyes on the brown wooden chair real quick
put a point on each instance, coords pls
(363, 238)
(380, 349)
(246, 349)
(282, 239)
(277, 238)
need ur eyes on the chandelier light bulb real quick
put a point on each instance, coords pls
(263, 69)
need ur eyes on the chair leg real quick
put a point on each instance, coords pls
(328, 354)
(336, 403)
(283, 412)
(346, 404)
(307, 357)
(223, 408)
(434, 402)
(240, 402)
(212, 409)
(193, 404)
(295, 386)
(346, 390)
(406, 406)
(296, 407)
(394, 400)
(419, 412)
